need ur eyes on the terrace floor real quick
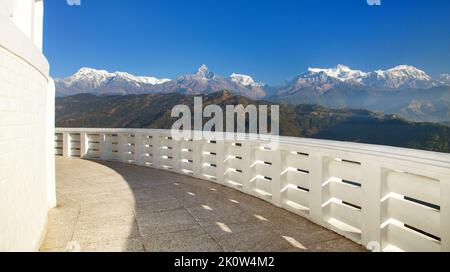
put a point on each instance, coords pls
(109, 206)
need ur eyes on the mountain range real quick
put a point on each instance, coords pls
(341, 76)
(88, 80)
(100, 82)
(404, 90)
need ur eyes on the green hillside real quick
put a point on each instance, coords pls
(153, 111)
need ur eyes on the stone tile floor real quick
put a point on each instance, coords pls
(109, 206)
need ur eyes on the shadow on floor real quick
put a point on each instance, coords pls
(111, 206)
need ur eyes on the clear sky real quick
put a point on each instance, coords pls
(271, 40)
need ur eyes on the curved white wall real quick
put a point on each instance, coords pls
(26, 127)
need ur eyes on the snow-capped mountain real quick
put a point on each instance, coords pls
(93, 81)
(203, 73)
(341, 72)
(321, 80)
(314, 82)
(88, 80)
(245, 80)
(205, 82)
(400, 77)
(341, 76)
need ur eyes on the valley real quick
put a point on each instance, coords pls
(303, 120)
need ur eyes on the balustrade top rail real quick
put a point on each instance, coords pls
(386, 198)
(414, 155)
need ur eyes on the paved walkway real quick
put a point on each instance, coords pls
(108, 206)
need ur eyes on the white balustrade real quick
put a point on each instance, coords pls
(386, 198)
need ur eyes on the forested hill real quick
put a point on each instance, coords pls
(153, 111)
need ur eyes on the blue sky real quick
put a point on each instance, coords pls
(271, 40)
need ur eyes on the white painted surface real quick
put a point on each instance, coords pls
(26, 116)
(38, 23)
(50, 144)
(18, 43)
(27, 15)
(307, 177)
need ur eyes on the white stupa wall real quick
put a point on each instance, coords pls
(27, 177)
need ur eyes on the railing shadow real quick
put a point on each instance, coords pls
(174, 212)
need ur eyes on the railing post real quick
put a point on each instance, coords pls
(84, 145)
(371, 205)
(247, 161)
(138, 149)
(121, 144)
(445, 213)
(156, 161)
(103, 146)
(317, 178)
(176, 155)
(66, 144)
(220, 155)
(276, 178)
(197, 157)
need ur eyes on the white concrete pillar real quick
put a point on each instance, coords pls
(445, 213)
(247, 161)
(318, 175)
(84, 145)
(372, 179)
(156, 162)
(276, 177)
(122, 145)
(66, 145)
(176, 155)
(197, 157)
(139, 149)
(220, 155)
(103, 138)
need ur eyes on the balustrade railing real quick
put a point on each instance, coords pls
(385, 198)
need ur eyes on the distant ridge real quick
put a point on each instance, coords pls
(154, 111)
(88, 80)
(100, 82)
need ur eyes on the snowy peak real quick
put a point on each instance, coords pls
(86, 72)
(138, 79)
(400, 77)
(205, 81)
(96, 78)
(407, 71)
(406, 68)
(88, 80)
(340, 72)
(244, 80)
(204, 73)
(85, 78)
